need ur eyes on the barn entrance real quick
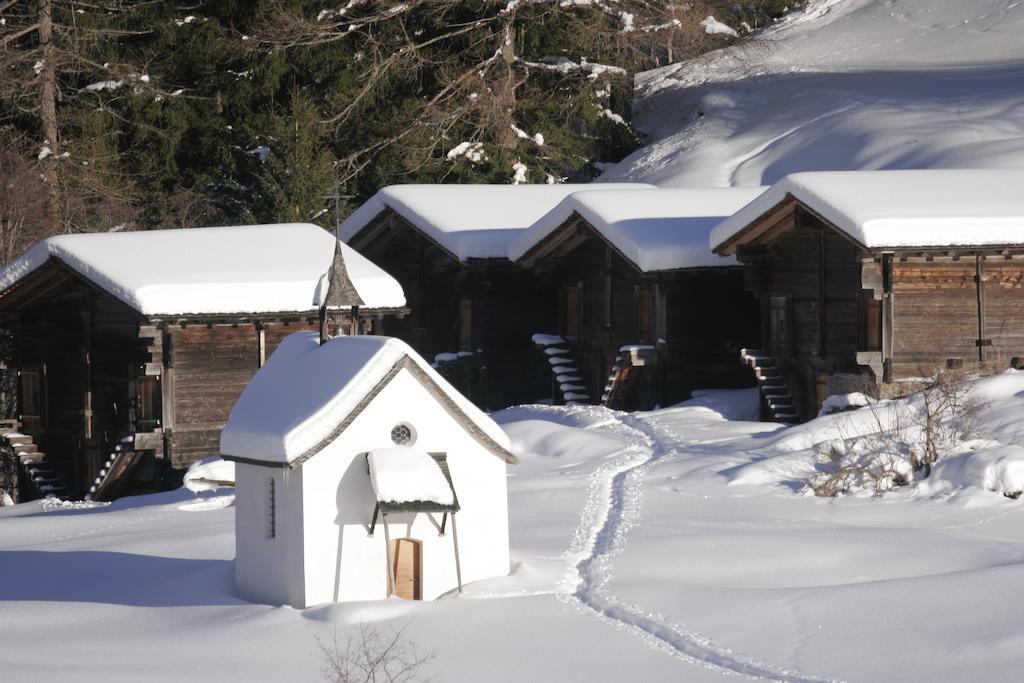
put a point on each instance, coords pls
(406, 565)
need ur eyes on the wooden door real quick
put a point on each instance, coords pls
(32, 396)
(646, 315)
(779, 328)
(405, 559)
(466, 336)
(571, 311)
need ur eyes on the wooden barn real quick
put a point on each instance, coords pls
(646, 312)
(131, 348)
(471, 309)
(870, 278)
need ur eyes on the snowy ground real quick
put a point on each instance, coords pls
(672, 545)
(840, 85)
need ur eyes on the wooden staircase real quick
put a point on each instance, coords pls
(567, 383)
(621, 381)
(115, 473)
(777, 400)
(627, 385)
(37, 477)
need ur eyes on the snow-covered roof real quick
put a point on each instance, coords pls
(227, 270)
(307, 393)
(408, 475)
(893, 209)
(655, 228)
(470, 221)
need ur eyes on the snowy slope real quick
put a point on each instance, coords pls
(841, 84)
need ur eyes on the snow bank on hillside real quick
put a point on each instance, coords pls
(856, 84)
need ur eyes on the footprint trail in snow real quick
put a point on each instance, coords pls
(612, 509)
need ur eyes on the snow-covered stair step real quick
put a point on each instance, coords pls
(576, 396)
(559, 360)
(547, 339)
(568, 377)
(572, 387)
(556, 351)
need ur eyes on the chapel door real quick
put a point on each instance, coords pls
(405, 559)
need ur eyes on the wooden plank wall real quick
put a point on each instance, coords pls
(50, 332)
(793, 270)
(432, 281)
(1004, 310)
(116, 353)
(707, 314)
(935, 310)
(710, 316)
(211, 366)
(940, 313)
(58, 329)
(511, 305)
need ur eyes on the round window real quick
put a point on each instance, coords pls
(402, 434)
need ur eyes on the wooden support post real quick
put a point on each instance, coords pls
(373, 522)
(87, 427)
(607, 287)
(822, 292)
(387, 555)
(887, 318)
(261, 344)
(979, 279)
(455, 543)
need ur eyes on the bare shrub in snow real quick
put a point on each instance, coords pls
(862, 469)
(373, 655)
(889, 443)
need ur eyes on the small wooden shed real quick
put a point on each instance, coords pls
(869, 278)
(131, 348)
(361, 473)
(639, 293)
(470, 306)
